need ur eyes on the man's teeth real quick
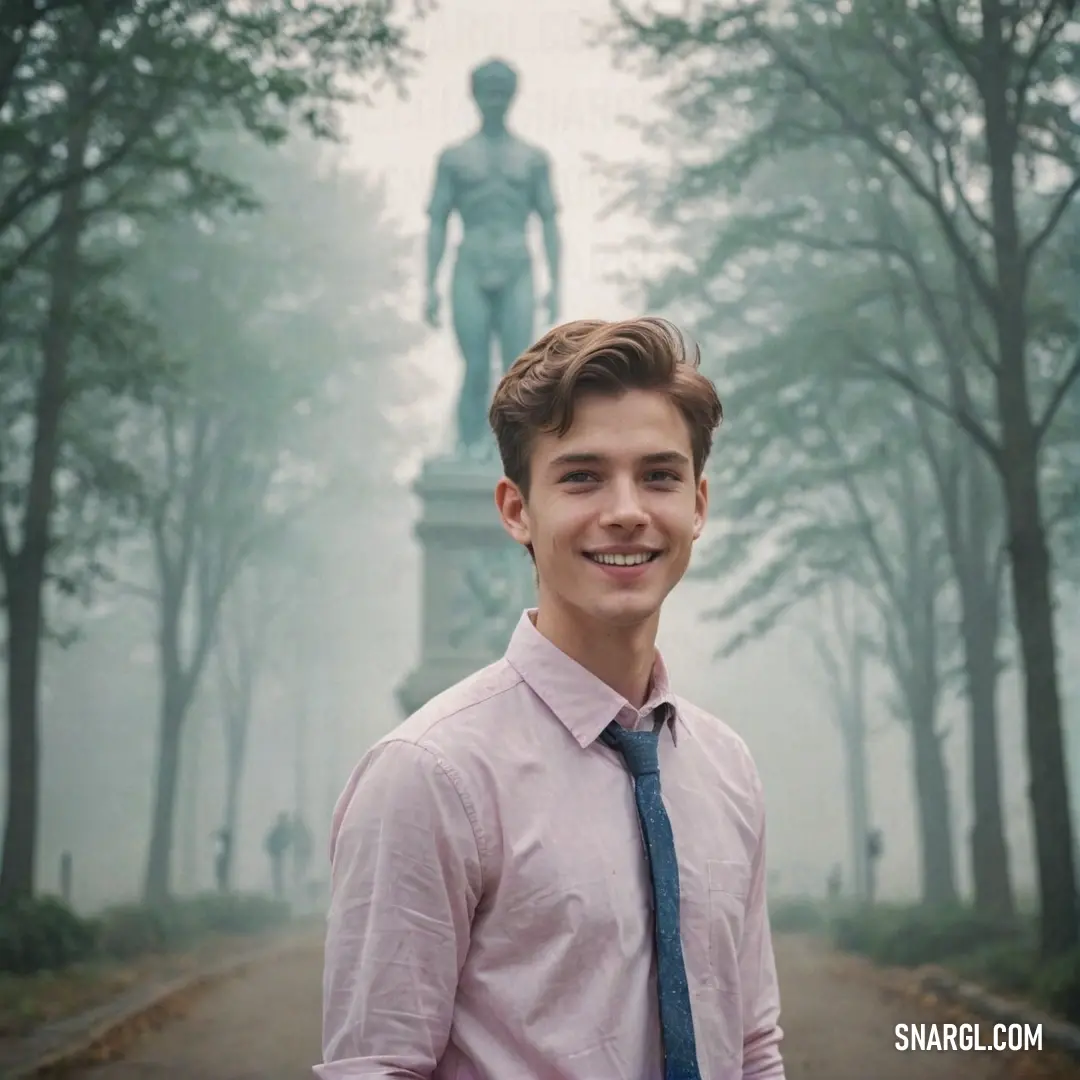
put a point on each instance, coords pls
(624, 560)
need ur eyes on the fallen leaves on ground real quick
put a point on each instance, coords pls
(29, 1001)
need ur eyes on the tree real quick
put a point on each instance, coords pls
(64, 319)
(813, 502)
(847, 305)
(272, 319)
(843, 659)
(241, 651)
(968, 107)
(929, 332)
(105, 103)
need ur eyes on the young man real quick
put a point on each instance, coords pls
(556, 869)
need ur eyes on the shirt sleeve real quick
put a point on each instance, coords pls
(762, 1033)
(406, 879)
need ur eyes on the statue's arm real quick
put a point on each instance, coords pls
(440, 206)
(547, 209)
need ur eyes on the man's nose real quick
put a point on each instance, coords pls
(625, 508)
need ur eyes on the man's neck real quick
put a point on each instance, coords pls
(621, 657)
(496, 129)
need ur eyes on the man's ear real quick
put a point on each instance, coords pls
(701, 505)
(513, 511)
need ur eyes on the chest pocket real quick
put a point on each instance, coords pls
(729, 886)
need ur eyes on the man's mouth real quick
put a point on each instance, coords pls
(635, 559)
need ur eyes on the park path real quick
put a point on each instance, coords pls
(838, 1019)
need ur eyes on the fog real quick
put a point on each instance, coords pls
(316, 714)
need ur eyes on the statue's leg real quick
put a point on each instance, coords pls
(515, 314)
(473, 325)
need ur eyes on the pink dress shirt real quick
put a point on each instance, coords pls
(490, 916)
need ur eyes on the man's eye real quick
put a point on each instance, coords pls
(662, 476)
(577, 478)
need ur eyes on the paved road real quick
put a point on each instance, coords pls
(839, 1024)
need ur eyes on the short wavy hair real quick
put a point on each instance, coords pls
(539, 392)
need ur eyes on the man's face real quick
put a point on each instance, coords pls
(613, 509)
(493, 99)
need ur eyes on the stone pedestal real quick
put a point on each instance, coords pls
(476, 580)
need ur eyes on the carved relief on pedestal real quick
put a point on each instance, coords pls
(496, 586)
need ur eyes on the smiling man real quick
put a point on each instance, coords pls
(556, 869)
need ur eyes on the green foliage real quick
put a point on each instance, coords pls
(1002, 957)
(797, 915)
(858, 194)
(162, 74)
(130, 930)
(910, 936)
(42, 935)
(823, 198)
(283, 324)
(1004, 967)
(127, 104)
(115, 112)
(238, 913)
(1057, 985)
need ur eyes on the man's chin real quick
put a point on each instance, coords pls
(625, 612)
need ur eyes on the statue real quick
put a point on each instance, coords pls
(496, 587)
(496, 182)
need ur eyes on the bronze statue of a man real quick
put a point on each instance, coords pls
(496, 182)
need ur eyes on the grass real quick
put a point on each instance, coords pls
(1000, 957)
(29, 1001)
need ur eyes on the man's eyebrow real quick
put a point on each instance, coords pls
(577, 459)
(666, 457)
(663, 457)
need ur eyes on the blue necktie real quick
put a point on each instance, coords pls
(640, 750)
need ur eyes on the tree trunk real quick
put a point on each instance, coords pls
(1048, 780)
(300, 736)
(1029, 563)
(157, 886)
(179, 683)
(989, 849)
(241, 642)
(235, 754)
(191, 748)
(233, 775)
(24, 617)
(854, 730)
(934, 815)
(25, 569)
(859, 813)
(971, 517)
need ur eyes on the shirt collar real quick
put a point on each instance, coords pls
(583, 703)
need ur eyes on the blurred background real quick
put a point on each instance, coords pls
(216, 389)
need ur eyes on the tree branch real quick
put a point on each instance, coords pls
(1045, 36)
(1044, 423)
(916, 86)
(132, 588)
(965, 420)
(1053, 219)
(949, 34)
(864, 519)
(870, 137)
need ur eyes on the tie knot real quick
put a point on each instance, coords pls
(640, 749)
